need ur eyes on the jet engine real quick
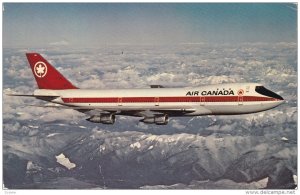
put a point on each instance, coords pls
(103, 118)
(158, 120)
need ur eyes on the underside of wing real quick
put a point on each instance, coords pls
(152, 113)
(130, 112)
(80, 109)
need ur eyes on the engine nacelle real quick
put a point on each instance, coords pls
(103, 118)
(158, 120)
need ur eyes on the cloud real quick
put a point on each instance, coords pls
(60, 43)
(177, 124)
(203, 146)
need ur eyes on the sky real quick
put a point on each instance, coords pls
(95, 24)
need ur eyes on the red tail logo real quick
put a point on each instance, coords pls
(40, 69)
(46, 76)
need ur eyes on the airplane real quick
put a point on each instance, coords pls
(155, 105)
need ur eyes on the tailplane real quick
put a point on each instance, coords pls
(46, 76)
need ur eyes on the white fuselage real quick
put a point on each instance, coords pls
(221, 99)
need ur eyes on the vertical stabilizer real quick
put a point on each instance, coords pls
(46, 76)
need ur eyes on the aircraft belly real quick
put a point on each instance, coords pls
(200, 110)
(136, 106)
(245, 108)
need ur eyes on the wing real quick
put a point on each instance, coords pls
(132, 112)
(170, 112)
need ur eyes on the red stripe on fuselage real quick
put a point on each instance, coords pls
(167, 99)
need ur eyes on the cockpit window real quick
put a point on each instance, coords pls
(263, 91)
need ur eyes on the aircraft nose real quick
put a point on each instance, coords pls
(276, 103)
(278, 99)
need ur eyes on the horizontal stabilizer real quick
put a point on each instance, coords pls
(24, 95)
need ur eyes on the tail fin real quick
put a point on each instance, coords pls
(46, 76)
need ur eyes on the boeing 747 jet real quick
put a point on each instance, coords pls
(154, 105)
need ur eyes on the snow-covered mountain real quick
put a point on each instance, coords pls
(51, 148)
